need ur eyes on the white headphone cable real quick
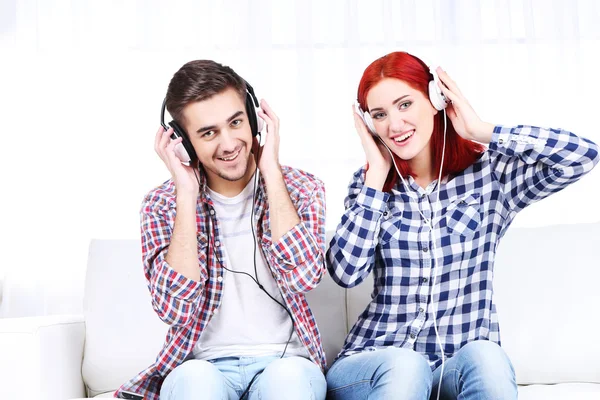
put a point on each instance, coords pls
(434, 247)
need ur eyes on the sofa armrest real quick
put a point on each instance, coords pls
(41, 357)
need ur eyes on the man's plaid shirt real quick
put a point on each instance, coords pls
(297, 261)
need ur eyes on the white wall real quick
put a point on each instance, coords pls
(81, 84)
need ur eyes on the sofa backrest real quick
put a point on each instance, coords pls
(123, 333)
(547, 297)
(546, 293)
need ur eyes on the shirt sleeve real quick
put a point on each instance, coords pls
(174, 296)
(532, 163)
(351, 253)
(300, 252)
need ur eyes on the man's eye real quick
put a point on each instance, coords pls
(208, 134)
(236, 122)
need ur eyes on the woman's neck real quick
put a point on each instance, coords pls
(422, 166)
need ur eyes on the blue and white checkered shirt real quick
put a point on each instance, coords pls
(386, 234)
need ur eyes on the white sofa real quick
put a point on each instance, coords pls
(547, 295)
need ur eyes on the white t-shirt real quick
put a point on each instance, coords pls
(247, 322)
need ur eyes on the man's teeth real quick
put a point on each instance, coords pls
(405, 136)
(230, 157)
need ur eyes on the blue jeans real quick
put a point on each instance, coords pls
(479, 370)
(227, 378)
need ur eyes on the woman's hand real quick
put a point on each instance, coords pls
(464, 119)
(378, 158)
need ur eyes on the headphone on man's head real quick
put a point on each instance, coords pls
(186, 152)
(437, 98)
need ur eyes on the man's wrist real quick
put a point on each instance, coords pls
(186, 200)
(272, 174)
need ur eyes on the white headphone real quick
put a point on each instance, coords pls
(437, 98)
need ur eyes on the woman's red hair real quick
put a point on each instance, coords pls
(460, 153)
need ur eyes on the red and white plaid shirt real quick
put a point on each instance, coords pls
(296, 262)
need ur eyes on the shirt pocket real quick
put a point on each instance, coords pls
(463, 215)
(390, 225)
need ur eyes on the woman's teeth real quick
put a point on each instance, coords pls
(404, 137)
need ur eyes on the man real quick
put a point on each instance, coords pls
(229, 247)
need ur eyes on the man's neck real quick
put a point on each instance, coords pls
(232, 188)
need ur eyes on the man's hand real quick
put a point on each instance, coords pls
(183, 176)
(268, 161)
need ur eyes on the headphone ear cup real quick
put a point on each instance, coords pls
(436, 96)
(366, 117)
(185, 142)
(253, 119)
(259, 121)
(369, 122)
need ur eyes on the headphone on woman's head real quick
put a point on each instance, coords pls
(185, 151)
(436, 97)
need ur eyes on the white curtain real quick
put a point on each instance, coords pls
(81, 83)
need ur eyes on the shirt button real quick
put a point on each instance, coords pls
(421, 309)
(425, 249)
(217, 243)
(220, 279)
(425, 280)
(500, 141)
(412, 336)
(385, 213)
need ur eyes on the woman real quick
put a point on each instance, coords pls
(425, 216)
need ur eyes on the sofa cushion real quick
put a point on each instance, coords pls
(563, 391)
(571, 391)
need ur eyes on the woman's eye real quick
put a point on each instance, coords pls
(378, 115)
(405, 105)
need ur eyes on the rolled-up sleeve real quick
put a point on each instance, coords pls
(174, 296)
(300, 253)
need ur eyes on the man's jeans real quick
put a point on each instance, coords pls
(479, 370)
(227, 378)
